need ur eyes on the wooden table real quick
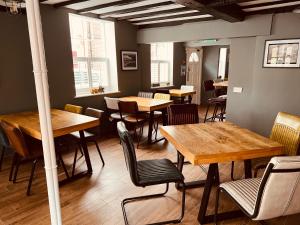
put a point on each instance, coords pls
(213, 143)
(221, 84)
(63, 123)
(182, 94)
(150, 105)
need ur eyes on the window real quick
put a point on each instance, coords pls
(161, 64)
(94, 54)
(223, 63)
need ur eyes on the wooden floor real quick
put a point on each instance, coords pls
(96, 199)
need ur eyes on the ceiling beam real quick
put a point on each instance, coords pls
(66, 3)
(161, 12)
(281, 4)
(274, 10)
(135, 9)
(231, 13)
(173, 23)
(109, 4)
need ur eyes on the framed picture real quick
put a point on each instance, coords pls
(129, 60)
(282, 53)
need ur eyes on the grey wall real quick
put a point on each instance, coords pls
(17, 91)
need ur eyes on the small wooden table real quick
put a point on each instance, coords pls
(221, 84)
(182, 94)
(150, 105)
(213, 143)
(63, 123)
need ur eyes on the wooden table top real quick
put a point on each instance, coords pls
(221, 84)
(217, 142)
(180, 93)
(148, 104)
(63, 122)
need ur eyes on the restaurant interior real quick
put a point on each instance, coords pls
(139, 112)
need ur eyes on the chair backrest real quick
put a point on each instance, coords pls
(162, 90)
(162, 96)
(73, 108)
(97, 113)
(3, 138)
(112, 103)
(187, 87)
(128, 107)
(16, 138)
(183, 114)
(144, 94)
(208, 85)
(279, 191)
(129, 151)
(286, 131)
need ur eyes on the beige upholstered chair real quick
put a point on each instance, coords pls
(274, 195)
(73, 108)
(113, 108)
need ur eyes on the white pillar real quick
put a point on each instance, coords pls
(42, 93)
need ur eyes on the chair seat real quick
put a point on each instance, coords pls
(135, 118)
(151, 172)
(115, 116)
(244, 192)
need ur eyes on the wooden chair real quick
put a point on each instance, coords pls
(112, 105)
(274, 195)
(286, 131)
(133, 117)
(91, 135)
(4, 142)
(144, 173)
(162, 96)
(26, 150)
(73, 108)
(144, 94)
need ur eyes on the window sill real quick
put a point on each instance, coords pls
(170, 86)
(98, 94)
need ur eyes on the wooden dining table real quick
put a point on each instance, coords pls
(150, 105)
(178, 93)
(63, 123)
(214, 143)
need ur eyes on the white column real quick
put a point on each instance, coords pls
(42, 93)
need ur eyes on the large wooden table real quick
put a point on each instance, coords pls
(178, 93)
(150, 105)
(62, 123)
(213, 143)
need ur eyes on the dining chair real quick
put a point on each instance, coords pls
(73, 108)
(144, 173)
(162, 96)
(286, 131)
(144, 94)
(274, 195)
(26, 149)
(134, 118)
(91, 135)
(112, 105)
(4, 142)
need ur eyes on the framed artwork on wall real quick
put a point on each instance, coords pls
(129, 60)
(282, 53)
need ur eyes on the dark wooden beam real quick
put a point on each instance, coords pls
(171, 17)
(274, 10)
(174, 23)
(66, 3)
(271, 4)
(232, 13)
(135, 9)
(109, 4)
(161, 12)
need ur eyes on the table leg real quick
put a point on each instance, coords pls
(248, 168)
(85, 152)
(190, 98)
(150, 127)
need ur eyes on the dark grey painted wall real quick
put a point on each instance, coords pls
(266, 90)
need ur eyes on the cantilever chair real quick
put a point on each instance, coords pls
(144, 173)
(4, 143)
(274, 195)
(73, 108)
(286, 131)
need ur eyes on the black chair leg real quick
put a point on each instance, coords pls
(31, 176)
(232, 170)
(63, 165)
(217, 206)
(128, 200)
(139, 136)
(17, 165)
(205, 118)
(74, 162)
(98, 149)
(13, 163)
(1, 157)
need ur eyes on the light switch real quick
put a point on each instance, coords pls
(237, 89)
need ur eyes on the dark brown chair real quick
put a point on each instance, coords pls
(26, 149)
(4, 142)
(183, 114)
(91, 135)
(133, 117)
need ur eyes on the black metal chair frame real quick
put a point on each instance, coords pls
(131, 158)
(268, 172)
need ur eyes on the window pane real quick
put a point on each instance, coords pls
(164, 72)
(154, 73)
(99, 74)
(81, 75)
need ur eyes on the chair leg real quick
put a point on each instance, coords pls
(128, 200)
(98, 149)
(232, 170)
(205, 118)
(1, 157)
(63, 165)
(12, 167)
(31, 176)
(17, 165)
(74, 162)
(217, 206)
(139, 137)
